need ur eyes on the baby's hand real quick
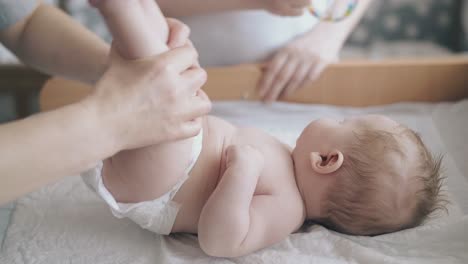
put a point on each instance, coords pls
(298, 63)
(246, 156)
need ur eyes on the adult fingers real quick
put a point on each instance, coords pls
(197, 106)
(297, 79)
(282, 78)
(314, 73)
(195, 78)
(272, 68)
(288, 11)
(299, 3)
(202, 95)
(318, 70)
(178, 33)
(179, 59)
(189, 129)
(292, 11)
(190, 44)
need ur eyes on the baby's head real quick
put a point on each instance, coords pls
(366, 175)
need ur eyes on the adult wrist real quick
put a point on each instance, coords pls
(98, 125)
(333, 33)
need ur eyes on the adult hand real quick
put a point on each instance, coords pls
(178, 33)
(149, 101)
(285, 7)
(299, 62)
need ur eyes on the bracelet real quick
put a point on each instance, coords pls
(330, 14)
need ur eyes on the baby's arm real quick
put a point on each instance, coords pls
(234, 222)
(138, 26)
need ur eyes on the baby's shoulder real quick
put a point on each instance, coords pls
(278, 169)
(270, 146)
(241, 135)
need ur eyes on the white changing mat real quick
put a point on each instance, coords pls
(66, 223)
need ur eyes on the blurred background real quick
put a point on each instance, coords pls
(390, 29)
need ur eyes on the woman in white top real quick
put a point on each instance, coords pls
(292, 43)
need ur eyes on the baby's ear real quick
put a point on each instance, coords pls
(326, 164)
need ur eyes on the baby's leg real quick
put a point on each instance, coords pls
(138, 27)
(140, 30)
(156, 20)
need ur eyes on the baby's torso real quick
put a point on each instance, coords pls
(155, 170)
(210, 167)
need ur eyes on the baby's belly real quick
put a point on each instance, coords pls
(204, 176)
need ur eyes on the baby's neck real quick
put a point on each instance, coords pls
(301, 192)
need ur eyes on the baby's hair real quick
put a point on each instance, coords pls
(360, 203)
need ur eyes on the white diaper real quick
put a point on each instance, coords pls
(157, 215)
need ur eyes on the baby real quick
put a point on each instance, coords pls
(241, 190)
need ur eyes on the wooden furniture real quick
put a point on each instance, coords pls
(353, 83)
(24, 84)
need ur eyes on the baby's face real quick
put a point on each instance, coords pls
(321, 149)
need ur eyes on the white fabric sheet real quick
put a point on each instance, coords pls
(66, 223)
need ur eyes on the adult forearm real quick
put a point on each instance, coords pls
(341, 30)
(224, 221)
(52, 42)
(181, 8)
(43, 148)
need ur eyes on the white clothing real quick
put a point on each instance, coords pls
(157, 215)
(243, 36)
